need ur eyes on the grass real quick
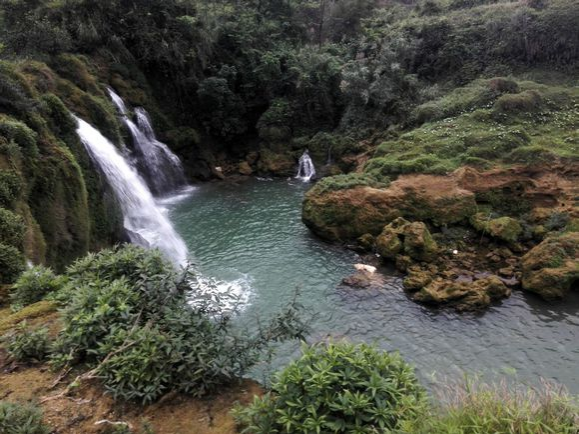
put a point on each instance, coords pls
(472, 407)
(538, 124)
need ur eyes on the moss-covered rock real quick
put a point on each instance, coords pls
(347, 214)
(411, 239)
(275, 163)
(463, 295)
(12, 228)
(552, 268)
(11, 263)
(503, 228)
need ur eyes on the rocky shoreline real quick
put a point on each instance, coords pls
(463, 240)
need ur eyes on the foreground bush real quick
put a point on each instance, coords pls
(338, 388)
(481, 409)
(33, 285)
(26, 344)
(129, 313)
(21, 419)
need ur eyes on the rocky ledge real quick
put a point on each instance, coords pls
(465, 239)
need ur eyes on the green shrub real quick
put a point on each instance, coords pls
(527, 101)
(12, 228)
(10, 187)
(129, 304)
(33, 285)
(338, 388)
(26, 344)
(11, 263)
(474, 408)
(21, 419)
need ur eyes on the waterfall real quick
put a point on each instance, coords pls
(144, 221)
(306, 169)
(161, 168)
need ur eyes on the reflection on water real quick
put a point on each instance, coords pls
(252, 234)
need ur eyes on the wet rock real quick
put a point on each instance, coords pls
(551, 268)
(463, 295)
(358, 280)
(366, 241)
(417, 279)
(244, 168)
(403, 263)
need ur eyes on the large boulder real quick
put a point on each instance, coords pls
(503, 228)
(346, 214)
(410, 239)
(551, 268)
(463, 295)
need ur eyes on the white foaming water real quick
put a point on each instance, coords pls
(161, 168)
(146, 223)
(306, 169)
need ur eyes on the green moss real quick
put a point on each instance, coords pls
(345, 182)
(504, 228)
(36, 310)
(539, 124)
(10, 187)
(12, 228)
(11, 263)
(19, 132)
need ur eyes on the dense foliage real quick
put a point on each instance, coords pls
(33, 285)
(25, 344)
(127, 312)
(338, 388)
(21, 419)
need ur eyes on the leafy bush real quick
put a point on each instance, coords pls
(527, 101)
(11, 263)
(474, 408)
(129, 312)
(26, 344)
(339, 388)
(33, 285)
(21, 419)
(10, 187)
(12, 228)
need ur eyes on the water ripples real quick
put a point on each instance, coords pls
(254, 230)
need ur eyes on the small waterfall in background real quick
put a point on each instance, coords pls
(144, 221)
(161, 168)
(306, 169)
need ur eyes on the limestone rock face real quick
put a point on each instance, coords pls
(504, 228)
(411, 239)
(244, 168)
(551, 268)
(464, 295)
(343, 215)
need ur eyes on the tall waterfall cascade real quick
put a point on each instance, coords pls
(145, 222)
(306, 169)
(161, 168)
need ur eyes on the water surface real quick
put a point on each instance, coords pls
(251, 234)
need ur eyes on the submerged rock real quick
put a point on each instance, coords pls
(551, 268)
(463, 295)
